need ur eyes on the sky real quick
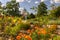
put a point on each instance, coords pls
(27, 4)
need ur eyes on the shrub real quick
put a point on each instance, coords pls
(7, 30)
(14, 30)
(24, 26)
(35, 36)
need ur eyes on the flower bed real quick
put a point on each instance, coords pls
(24, 30)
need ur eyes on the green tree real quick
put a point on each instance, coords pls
(12, 8)
(42, 9)
(0, 4)
(0, 7)
(31, 16)
(52, 13)
(34, 8)
(57, 12)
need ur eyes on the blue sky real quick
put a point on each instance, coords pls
(30, 3)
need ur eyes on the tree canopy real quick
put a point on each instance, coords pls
(12, 8)
(57, 13)
(42, 9)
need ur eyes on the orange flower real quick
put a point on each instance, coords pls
(28, 37)
(28, 30)
(42, 31)
(18, 37)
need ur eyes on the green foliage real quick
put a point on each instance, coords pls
(35, 36)
(12, 8)
(31, 16)
(23, 38)
(47, 36)
(0, 27)
(0, 8)
(34, 8)
(57, 13)
(52, 13)
(17, 28)
(42, 9)
(14, 30)
(7, 30)
(42, 36)
(24, 26)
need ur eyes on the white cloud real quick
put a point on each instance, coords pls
(52, 1)
(57, 1)
(20, 9)
(36, 2)
(19, 0)
(42, 0)
(3, 5)
(28, 1)
(8, 0)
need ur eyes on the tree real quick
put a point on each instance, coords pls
(51, 13)
(34, 8)
(12, 8)
(0, 7)
(0, 4)
(57, 12)
(42, 9)
(31, 16)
